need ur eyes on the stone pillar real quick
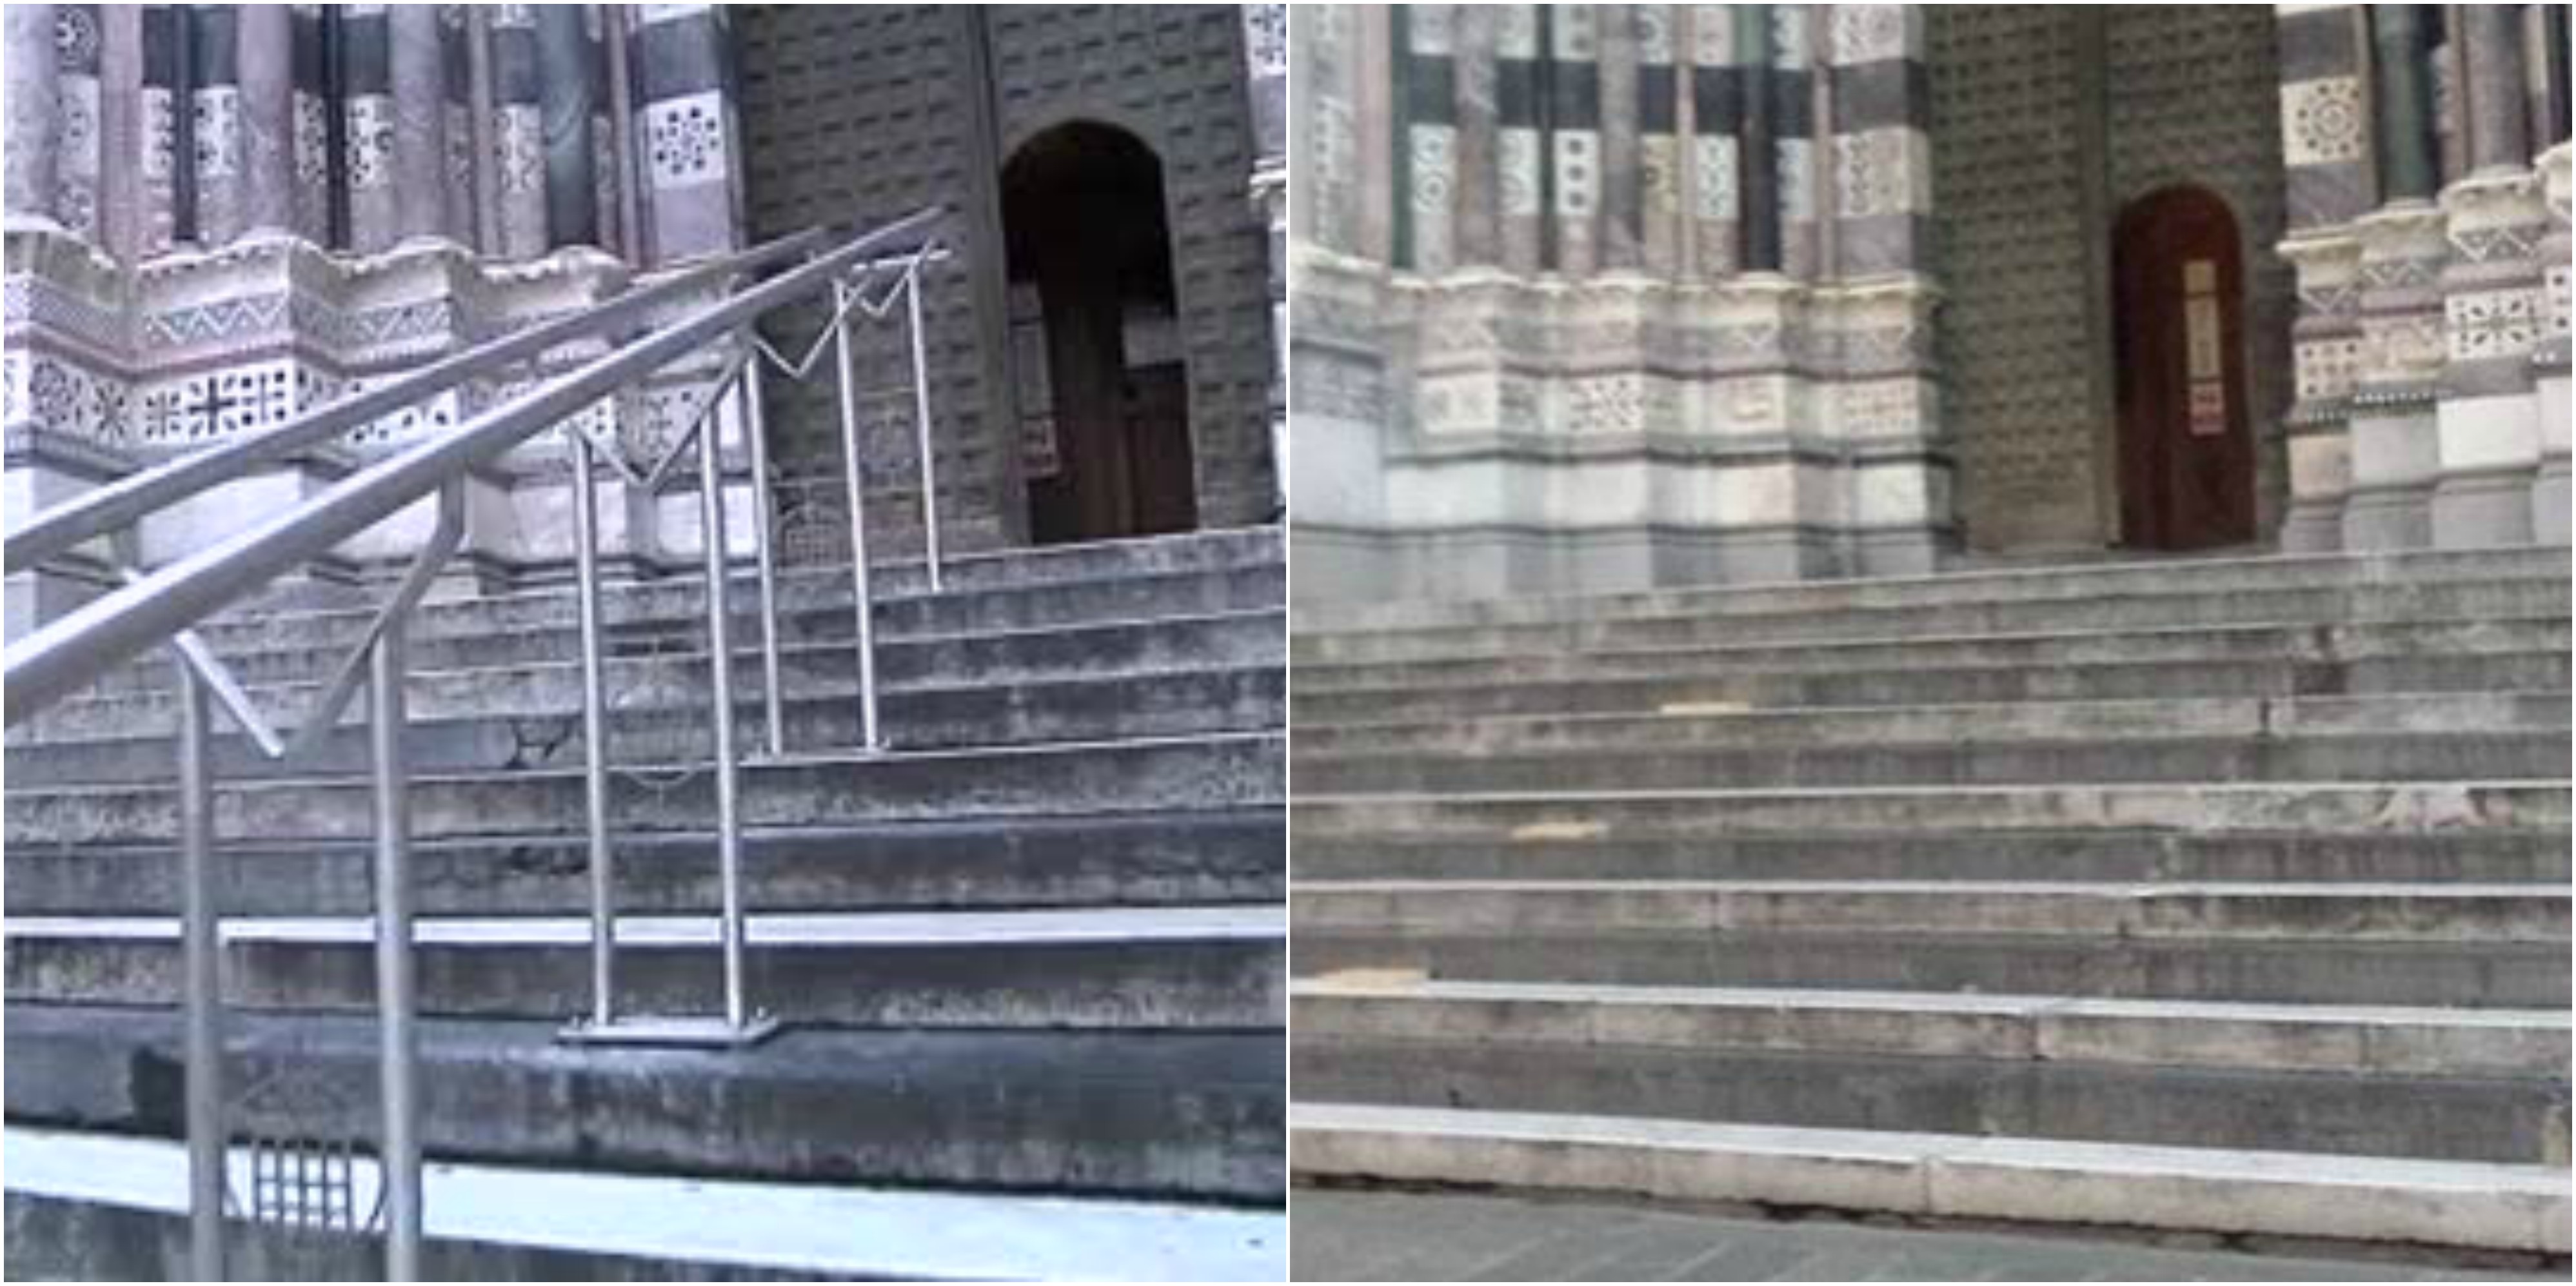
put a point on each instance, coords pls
(1574, 179)
(156, 130)
(2488, 418)
(1520, 138)
(1881, 139)
(79, 164)
(1717, 98)
(223, 181)
(565, 84)
(457, 155)
(367, 130)
(1659, 138)
(1622, 176)
(35, 102)
(1477, 234)
(680, 56)
(2394, 451)
(266, 58)
(2402, 106)
(417, 75)
(1427, 131)
(1265, 58)
(1793, 132)
(308, 37)
(1758, 190)
(2326, 162)
(121, 202)
(517, 130)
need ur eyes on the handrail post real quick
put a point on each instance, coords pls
(201, 927)
(594, 734)
(398, 1045)
(921, 424)
(711, 535)
(755, 430)
(854, 476)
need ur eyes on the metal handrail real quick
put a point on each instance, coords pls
(75, 650)
(121, 504)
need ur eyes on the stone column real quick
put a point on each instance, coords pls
(1881, 137)
(517, 132)
(1793, 131)
(223, 182)
(1574, 179)
(679, 56)
(2402, 107)
(1758, 188)
(121, 201)
(1659, 139)
(266, 58)
(35, 102)
(156, 130)
(1622, 220)
(2551, 495)
(1477, 236)
(367, 130)
(1717, 99)
(2395, 456)
(1520, 138)
(308, 35)
(2495, 101)
(1427, 158)
(417, 75)
(564, 70)
(78, 160)
(2326, 162)
(457, 160)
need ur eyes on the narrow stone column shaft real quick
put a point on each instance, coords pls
(265, 58)
(565, 91)
(2403, 106)
(1759, 186)
(417, 74)
(27, 43)
(2495, 101)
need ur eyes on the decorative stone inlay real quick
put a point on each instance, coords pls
(1712, 35)
(370, 142)
(2554, 289)
(1265, 38)
(518, 148)
(2327, 367)
(76, 36)
(1868, 32)
(1515, 30)
(2321, 121)
(1578, 173)
(160, 136)
(60, 397)
(218, 132)
(1659, 165)
(2489, 324)
(1797, 180)
(1430, 29)
(1876, 172)
(1654, 26)
(1714, 178)
(1574, 35)
(312, 124)
(684, 139)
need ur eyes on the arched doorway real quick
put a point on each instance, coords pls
(1104, 390)
(2186, 444)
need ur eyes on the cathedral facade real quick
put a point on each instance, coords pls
(1624, 295)
(221, 215)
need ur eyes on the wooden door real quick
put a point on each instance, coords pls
(2186, 445)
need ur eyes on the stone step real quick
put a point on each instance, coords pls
(2126, 913)
(2319, 809)
(2294, 641)
(2257, 574)
(1153, 859)
(816, 606)
(2479, 856)
(2201, 1190)
(1827, 726)
(521, 721)
(2350, 1040)
(1164, 1115)
(1686, 694)
(2099, 610)
(2433, 1116)
(2245, 967)
(1130, 776)
(2407, 756)
(1126, 967)
(822, 644)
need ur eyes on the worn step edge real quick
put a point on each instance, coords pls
(873, 1233)
(2505, 1207)
(2367, 1039)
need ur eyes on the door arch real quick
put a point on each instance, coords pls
(1104, 387)
(2186, 458)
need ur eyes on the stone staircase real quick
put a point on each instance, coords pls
(1032, 959)
(2223, 897)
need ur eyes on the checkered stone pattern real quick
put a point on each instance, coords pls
(1426, 226)
(2325, 115)
(2494, 284)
